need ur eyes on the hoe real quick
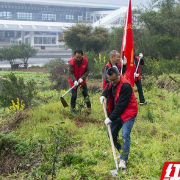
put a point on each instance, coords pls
(64, 103)
(114, 172)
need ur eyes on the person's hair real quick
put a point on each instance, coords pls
(113, 70)
(79, 51)
(113, 53)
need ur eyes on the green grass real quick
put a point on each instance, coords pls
(155, 137)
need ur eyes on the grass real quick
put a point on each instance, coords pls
(155, 138)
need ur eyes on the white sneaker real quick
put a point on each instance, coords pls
(122, 164)
(143, 103)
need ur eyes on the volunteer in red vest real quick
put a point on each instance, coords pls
(113, 62)
(122, 109)
(137, 76)
(78, 71)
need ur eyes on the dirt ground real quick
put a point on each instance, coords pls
(27, 70)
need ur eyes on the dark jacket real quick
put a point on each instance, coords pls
(121, 101)
(109, 65)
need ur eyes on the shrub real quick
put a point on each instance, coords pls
(59, 75)
(13, 88)
(160, 66)
(53, 63)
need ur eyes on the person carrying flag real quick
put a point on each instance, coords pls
(113, 62)
(138, 60)
(122, 110)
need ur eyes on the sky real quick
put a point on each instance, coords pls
(116, 2)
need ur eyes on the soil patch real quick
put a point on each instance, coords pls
(28, 70)
(15, 122)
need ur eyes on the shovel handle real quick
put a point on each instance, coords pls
(137, 66)
(111, 138)
(68, 91)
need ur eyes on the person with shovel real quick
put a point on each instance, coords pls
(122, 109)
(138, 60)
(78, 71)
(113, 62)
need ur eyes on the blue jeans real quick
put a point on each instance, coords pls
(126, 131)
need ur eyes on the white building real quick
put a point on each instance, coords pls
(41, 22)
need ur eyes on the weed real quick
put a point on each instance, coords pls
(149, 115)
(50, 150)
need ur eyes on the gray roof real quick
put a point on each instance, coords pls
(66, 3)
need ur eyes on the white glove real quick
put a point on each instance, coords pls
(107, 121)
(102, 99)
(124, 61)
(76, 83)
(136, 75)
(140, 55)
(80, 80)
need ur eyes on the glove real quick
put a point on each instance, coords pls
(140, 55)
(76, 83)
(136, 75)
(102, 99)
(124, 61)
(107, 121)
(80, 80)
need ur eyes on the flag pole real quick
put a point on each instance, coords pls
(124, 39)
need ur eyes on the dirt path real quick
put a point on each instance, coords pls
(27, 70)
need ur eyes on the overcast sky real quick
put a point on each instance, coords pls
(116, 2)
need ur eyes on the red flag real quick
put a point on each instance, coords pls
(127, 48)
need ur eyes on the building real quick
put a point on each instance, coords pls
(41, 22)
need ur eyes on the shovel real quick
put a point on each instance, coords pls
(64, 103)
(115, 171)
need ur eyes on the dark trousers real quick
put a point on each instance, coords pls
(84, 93)
(140, 91)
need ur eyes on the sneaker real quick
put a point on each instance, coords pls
(142, 103)
(122, 164)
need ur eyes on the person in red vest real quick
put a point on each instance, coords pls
(114, 61)
(137, 76)
(122, 110)
(78, 71)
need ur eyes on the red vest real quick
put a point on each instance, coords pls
(109, 65)
(132, 108)
(138, 70)
(78, 71)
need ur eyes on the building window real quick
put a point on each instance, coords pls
(24, 16)
(49, 17)
(53, 40)
(80, 19)
(44, 40)
(5, 15)
(69, 17)
(27, 40)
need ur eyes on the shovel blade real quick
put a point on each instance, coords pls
(114, 173)
(64, 103)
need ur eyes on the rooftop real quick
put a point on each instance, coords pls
(65, 3)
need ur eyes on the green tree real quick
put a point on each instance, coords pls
(87, 38)
(20, 51)
(115, 38)
(10, 54)
(161, 30)
(26, 51)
